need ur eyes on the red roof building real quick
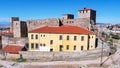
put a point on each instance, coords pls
(66, 29)
(12, 49)
(6, 31)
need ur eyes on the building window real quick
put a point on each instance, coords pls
(40, 44)
(43, 35)
(82, 47)
(67, 47)
(61, 48)
(74, 47)
(43, 44)
(51, 42)
(32, 45)
(51, 50)
(36, 36)
(92, 36)
(75, 37)
(32, 36)
(60, 38)
(86, 11)
(67, 37)
(36, 45)
(82, 38)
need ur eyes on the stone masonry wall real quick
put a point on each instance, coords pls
(90, 54)
(33, 24)
(13, 41)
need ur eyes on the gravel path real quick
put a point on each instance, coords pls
(7, 64)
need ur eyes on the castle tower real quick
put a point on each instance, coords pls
(67, 16)
(88, 14)
(17, 29)
(12, 19)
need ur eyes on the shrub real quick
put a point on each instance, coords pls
(20, 60)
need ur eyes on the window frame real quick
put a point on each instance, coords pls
(75, 38)
(60, 37)
(74, 47)
(32, 45)
(67, 47)
(32, 36)
(82, 48)
(68, 37)
(37, 45)
(36, 36)
(82, 38)
(51, 42)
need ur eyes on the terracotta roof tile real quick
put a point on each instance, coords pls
(12, 49)
(62, 29)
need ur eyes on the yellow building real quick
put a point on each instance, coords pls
(65, 38)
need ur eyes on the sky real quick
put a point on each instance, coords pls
(108, 11)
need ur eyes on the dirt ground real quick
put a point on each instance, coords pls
(67, 66)
(52, 66)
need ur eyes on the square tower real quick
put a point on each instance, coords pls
(67, 16)
(20, 29)
(88, 14)
(12, 19)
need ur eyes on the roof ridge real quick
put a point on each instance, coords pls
(62, 29)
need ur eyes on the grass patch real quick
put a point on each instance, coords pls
(20, 60)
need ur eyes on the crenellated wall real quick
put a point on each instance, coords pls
(33, 24)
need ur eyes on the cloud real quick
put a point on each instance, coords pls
(4, 19)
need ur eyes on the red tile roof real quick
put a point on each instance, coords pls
(3, 33)
(6, 31)
(12, 49)
(62, 29)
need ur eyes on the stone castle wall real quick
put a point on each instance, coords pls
(33, 24)
(86, 18)
(13, 41)
(48, 56)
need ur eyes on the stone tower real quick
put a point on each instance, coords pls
(19, 28)
(67, 16)
(87, 14)
(12, 19)
(16, 29)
